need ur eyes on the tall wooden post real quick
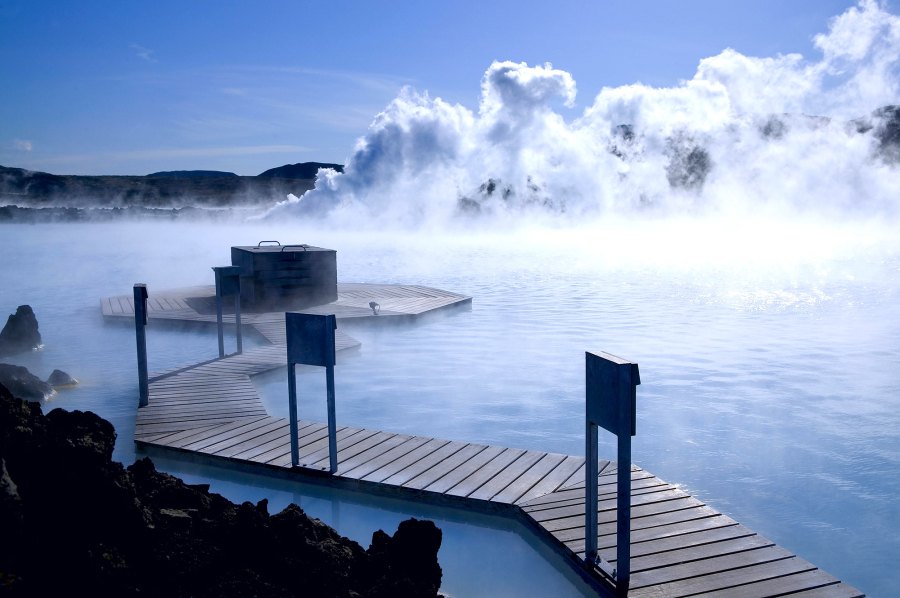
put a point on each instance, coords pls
(140, 334)
(611, 401)
(228, 282)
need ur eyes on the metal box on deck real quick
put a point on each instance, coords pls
(276, 277)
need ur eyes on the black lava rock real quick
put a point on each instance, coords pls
(24, 384)
(20, 333)
(132, 531)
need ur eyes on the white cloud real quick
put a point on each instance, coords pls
(143, 53)
(23, 145)
(745, 120)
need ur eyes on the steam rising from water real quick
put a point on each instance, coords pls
(745, 135)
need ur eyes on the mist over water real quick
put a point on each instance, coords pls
(789, 136)
(735, 234)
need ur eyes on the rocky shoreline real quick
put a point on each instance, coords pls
(74, 521)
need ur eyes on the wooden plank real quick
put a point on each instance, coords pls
(185, 407)
(641, 512)
(507, 476)
(413, 470)
(344, 441)
(609, 504)
(363, 469)
(722, 582)
(264, 435)
(720, 573)
(189, 436)
(307, 453)
(414, 456)
(441, 469)
(275, 440)
(649, 545)
(657, 526)
(569, 498)
(480, 476)
(462, 470)
(788, 584)
(158, 418)
(310, 435)
(534, 474)
(689, 553)
(674, 536)
(553, 480)
(308, 448)
(563, 497)
(228, 436)
(368, 448)
(839, 590)
(177, 427)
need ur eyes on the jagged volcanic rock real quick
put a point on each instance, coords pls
(77, 523)
(24, 384)
(20, 333)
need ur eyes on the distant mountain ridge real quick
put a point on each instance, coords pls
(191, 174)
(165, 189)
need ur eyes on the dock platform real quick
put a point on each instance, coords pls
(679, 545)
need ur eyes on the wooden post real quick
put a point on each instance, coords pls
(220, 327)
(332, 421)
(140, 334)
(292, 414)
(228, 282)
(590, 501)
(611, 401)
(310, 341)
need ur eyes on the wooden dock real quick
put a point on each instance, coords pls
(679, 545)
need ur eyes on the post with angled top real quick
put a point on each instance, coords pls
(140, 334)
(611, 401)
(228, 282)
(310, 341)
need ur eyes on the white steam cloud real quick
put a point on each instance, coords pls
(745, 134)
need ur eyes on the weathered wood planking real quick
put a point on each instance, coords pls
(197, 304)
(680, 546)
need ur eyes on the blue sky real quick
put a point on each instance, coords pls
(124, 87)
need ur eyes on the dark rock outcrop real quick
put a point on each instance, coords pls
(191, 174)
(406, 563)
(116, 531)
(20, 333)
(689, 163)
(59, 378)
(303, 170)
(24, 384)
(887, 132)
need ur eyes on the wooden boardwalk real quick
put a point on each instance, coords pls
(680, 546)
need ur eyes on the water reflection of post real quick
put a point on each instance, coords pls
(611, 400)
(140, 325)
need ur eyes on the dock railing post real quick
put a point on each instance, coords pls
(611, 401)
(140, 334)
(310, 341)
(228, 282)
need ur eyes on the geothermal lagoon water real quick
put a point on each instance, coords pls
(768, 355)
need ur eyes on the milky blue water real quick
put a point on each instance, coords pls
(768, 355)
